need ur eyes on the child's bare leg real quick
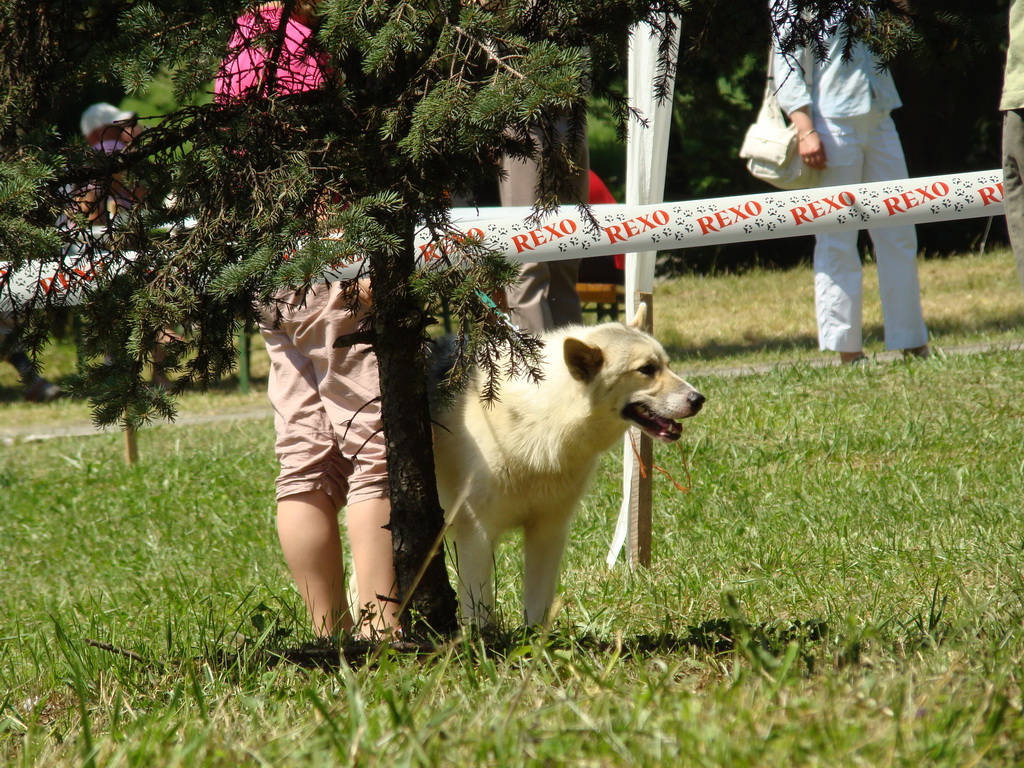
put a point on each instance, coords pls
(307, 526)
(374, 565)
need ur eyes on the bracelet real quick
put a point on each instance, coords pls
(801, 138)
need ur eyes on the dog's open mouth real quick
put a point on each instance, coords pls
(658, 427)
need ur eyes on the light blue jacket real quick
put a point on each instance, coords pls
(1013, 75)
(833, 87)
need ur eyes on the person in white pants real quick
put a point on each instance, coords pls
(841, 110)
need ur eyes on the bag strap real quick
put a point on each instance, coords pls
(770, 102)
(770, 109)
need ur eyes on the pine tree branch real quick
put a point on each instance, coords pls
(492, 54)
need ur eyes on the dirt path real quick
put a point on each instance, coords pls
(37, 432)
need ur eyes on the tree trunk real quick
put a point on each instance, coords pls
(417, 520)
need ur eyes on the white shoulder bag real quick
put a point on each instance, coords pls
(770, 146)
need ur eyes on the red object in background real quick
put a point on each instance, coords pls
(600, 195)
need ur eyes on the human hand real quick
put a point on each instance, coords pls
(812, 151)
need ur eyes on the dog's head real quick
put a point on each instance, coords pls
(627, 371)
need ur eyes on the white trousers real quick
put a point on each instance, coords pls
(865, 149)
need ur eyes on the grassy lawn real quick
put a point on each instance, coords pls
(837, 580)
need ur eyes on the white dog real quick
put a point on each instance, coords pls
(526, 460)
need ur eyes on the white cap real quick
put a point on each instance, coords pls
(100, 115)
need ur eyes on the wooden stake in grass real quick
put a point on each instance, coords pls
(131, 446)
(640, 488)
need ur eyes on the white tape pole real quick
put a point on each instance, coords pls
(646, 158)
(646, 148)
(718, 221)
(664, 226)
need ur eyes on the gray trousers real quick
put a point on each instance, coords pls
(1013, 183)
(545, 296)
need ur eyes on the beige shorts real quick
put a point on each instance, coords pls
(328, 427)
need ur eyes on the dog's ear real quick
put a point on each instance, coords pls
(583, 360)
(640, 318)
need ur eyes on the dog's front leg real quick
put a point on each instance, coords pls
(544, 545)
(474, 557)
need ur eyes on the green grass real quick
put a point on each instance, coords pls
(837, 582)
(768, 316)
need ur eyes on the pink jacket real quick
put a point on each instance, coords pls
(245, 72)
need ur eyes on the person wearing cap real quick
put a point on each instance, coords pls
(107, 128)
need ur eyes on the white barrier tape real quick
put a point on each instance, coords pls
(666, 226)
(719, 221)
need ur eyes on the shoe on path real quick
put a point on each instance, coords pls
(42, 391)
